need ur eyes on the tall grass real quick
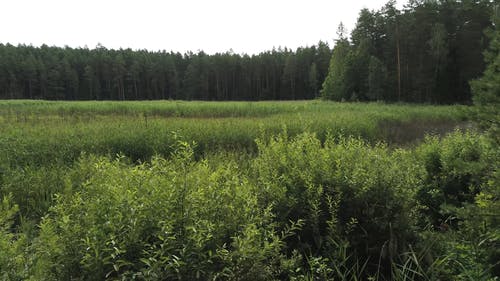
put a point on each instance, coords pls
(44, 132)
(200, 109)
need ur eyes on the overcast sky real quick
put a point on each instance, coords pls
(246, 26)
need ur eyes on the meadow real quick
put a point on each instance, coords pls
(302, 190)
(44, 131)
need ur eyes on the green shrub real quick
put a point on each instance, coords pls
(170, 219)
(14, 257)
(33, 188)
(344, 189)
(456, 167)
(460, 201)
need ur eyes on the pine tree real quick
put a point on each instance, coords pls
(29, 67)
(313, 79)
(89, 79)
(486, 90)
(377, 77)
(439, 52)
(335, 86)
(289, 75)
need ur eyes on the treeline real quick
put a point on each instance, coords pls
(427, 52)
(54, 73)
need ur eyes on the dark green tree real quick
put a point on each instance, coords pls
(30, 75)
(119, 72)
(289, 75)
(313, 79)
(486, 89)
(377, 77)
(90, 80)
(336, 85)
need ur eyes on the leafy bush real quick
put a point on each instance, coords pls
(460, 201)
(344, 189)
(13, 258)
(33, 188)
(456, 167)
(173, 219)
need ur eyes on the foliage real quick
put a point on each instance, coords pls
(54, 73)
(377, 77)
(336, 85)
(460, 200)
(456, 167)
(427, 53)
(40, 133)
(117, 196)
(486, 90)
(174, 219)
(345, 189)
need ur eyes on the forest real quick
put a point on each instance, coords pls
(119, 165)
(101, 74)
(426, 53)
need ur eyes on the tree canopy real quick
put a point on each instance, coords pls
(54, 73)
(486, 90)
(427, 52)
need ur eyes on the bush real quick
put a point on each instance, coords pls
(170, 219)
(456, 167)
(302, 208)
(459, 200)
(344, 190)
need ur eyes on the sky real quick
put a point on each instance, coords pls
(244, 26)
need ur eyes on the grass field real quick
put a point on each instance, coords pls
(303, 190)
(200, 109)
(43, 131)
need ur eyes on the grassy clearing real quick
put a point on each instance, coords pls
(202, 109)
(43, 132)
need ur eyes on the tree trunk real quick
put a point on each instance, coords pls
(398, 61)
